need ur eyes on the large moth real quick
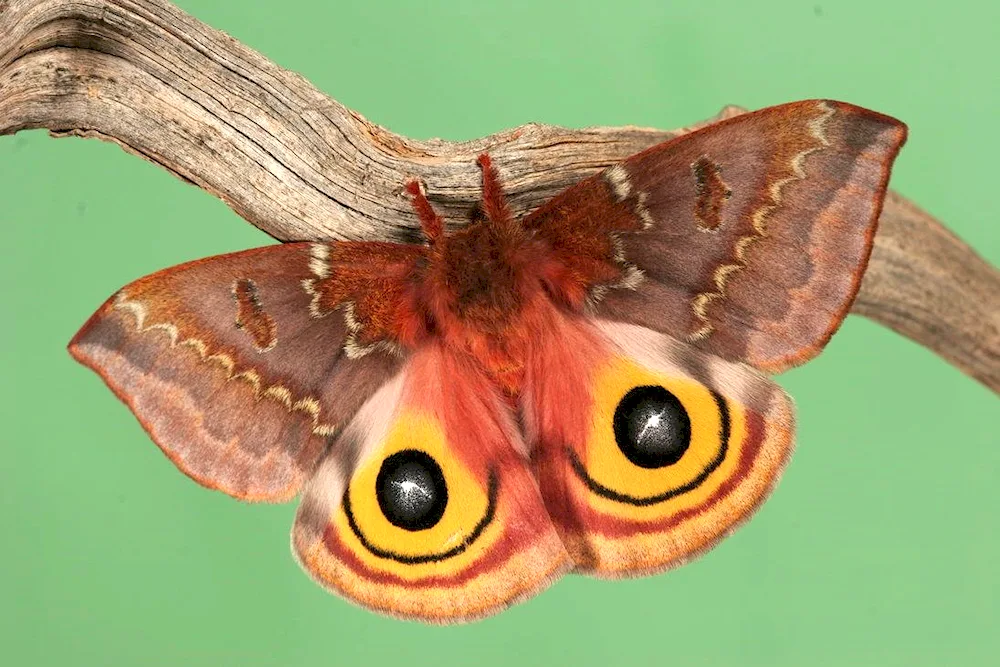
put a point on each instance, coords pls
(582, 389)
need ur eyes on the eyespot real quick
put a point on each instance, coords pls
(413, 501)
(627, 502)
(651, 427)
(426, 506)
(653, 438)
(411, 490)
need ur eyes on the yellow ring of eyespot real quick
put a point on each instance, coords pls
(607, 465)
(468, 503)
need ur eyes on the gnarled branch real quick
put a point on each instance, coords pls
(299, 165)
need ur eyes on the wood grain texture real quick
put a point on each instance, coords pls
(301, 166)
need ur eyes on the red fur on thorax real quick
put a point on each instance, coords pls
(492, 290)
(497, 332)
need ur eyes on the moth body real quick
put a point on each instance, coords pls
(490, 289)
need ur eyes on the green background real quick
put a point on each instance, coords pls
(880, 546)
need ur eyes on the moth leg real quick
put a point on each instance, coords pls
(494, 202)
(430, 222)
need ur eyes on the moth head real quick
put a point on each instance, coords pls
(483, 271)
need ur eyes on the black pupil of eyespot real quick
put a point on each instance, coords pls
(651, 427)
(411, 491)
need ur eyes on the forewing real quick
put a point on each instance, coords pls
(241, 366)
(747, 238)
(466, 545)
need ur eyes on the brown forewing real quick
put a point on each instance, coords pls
(230, 371)
(751, 235)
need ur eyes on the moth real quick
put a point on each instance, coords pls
(584, 389)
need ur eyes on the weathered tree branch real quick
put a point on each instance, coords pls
(299, 165)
